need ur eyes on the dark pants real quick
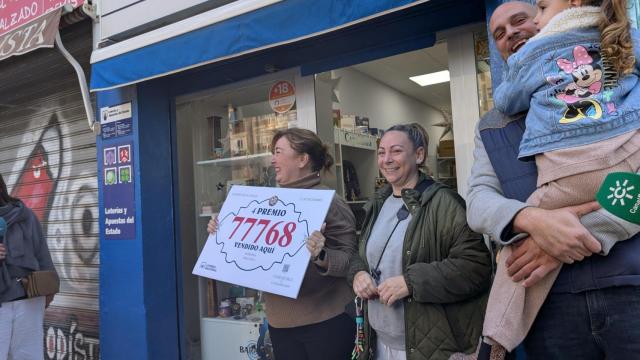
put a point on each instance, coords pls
(332, 339)
(596, 324)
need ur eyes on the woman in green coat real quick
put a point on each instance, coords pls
(424, 274)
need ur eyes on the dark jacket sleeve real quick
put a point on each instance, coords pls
(355, 266)
(465, 269)
(41, 249)
(341, 242)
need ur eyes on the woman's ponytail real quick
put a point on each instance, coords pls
(328, 159)
(615, 39)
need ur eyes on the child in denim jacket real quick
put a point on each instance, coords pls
(579, 81)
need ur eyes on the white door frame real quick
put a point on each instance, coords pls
(464, 96)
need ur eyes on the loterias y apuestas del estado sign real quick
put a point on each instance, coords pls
(26, 25)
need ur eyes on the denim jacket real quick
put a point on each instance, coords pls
(573, 99)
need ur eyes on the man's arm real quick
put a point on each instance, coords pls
(488, 210)
(559, 232)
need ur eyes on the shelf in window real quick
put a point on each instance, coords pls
(446, 177)
(353, 139)
(446, 157)
(233, 159)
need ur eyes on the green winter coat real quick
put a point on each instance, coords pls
(447, 268)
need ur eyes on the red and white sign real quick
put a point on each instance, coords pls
(14, 13)
(38, 33)
(282, 96)
(261, 238)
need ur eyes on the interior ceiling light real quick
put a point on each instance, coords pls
(430, 79)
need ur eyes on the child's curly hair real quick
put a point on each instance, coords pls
(615, 38)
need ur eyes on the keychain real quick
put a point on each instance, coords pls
(359, 341)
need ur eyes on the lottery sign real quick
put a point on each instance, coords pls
(260, 242)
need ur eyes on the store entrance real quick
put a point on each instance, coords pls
(223, 138)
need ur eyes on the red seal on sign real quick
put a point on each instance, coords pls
(282, 96)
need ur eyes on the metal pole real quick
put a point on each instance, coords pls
(84, 89)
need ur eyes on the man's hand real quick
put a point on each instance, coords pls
(528, 261)
(3, 252)
(559, 232)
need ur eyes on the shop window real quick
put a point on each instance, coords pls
(223, 139)
(483, 70)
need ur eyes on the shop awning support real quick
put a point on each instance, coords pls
(84, 88)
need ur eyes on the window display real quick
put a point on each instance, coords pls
(483, 70)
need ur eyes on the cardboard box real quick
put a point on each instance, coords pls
(348, 122)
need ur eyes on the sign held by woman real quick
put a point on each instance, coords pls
(260, 242)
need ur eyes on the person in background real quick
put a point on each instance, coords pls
(424, 273)
(314, 326)
(23, 250)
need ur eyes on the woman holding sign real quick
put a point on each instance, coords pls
(315, 325)
(424, 273)
(23, 250)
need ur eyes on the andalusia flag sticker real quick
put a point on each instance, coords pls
(620, 195)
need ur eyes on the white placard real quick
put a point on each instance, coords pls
(115, 113)
(261, 237)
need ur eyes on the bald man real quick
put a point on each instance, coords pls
(593, 310)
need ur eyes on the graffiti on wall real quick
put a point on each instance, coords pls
(55, 175)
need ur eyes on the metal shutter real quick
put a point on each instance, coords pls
(48, 159)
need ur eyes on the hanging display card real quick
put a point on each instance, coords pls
(261, 237)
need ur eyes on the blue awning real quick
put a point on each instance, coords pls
(284, 22)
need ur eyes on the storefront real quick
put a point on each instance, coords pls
(48, 159)
(192, 128)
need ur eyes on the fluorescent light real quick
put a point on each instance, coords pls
(430, 79)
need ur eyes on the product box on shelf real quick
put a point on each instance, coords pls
(446, 148)
(348, 122)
